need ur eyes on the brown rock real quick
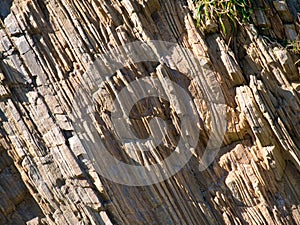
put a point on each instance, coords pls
(46, 175)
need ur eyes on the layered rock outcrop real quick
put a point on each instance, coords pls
(46, 46)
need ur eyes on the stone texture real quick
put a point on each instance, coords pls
(45, 176)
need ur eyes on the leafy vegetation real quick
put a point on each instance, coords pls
(294, 46)
(219, 10)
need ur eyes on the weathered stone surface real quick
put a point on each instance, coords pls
(45, 176)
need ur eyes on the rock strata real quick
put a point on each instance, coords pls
(46, 46)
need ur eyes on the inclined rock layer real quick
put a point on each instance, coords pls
(45, 175)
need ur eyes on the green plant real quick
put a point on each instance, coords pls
(234, 10)
(294, 46)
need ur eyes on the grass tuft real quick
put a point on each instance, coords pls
(219, 10)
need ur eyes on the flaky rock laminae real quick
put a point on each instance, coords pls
(46, 46)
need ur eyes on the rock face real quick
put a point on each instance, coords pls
(45, 175)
